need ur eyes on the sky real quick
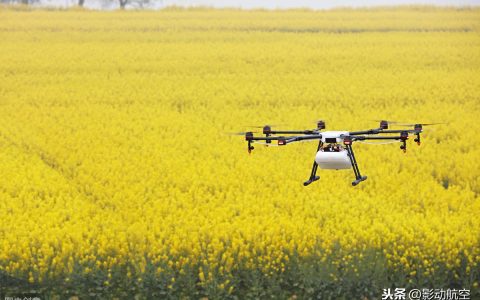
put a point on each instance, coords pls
(267, 4)
(318, 4)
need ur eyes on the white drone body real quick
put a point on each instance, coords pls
(333, 159)
(329, 137)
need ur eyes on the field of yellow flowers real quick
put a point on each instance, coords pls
(117, 177)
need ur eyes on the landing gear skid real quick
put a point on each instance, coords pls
(355, 182)
(313, 176)
(311, 180)
(358, 177)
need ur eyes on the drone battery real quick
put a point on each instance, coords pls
(333, 160)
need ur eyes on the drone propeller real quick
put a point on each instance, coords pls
(384, 124)
(389, 122)
(240, 133)
(396, 123)
(263, 126)
(422, 124)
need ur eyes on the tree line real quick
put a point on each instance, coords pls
(80, 3)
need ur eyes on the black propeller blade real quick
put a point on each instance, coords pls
(396, 123)
(423, 124)
(263, 126)
(240, 133)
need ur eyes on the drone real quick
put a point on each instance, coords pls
(334, 149)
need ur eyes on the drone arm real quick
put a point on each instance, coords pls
(291, 132)
(303, 138)
(263, 138)
(362, 138)
(403, 138)
(380, 130)
(286, 139)
(251, 139)
(282, 140)
(370, 131)
(400, 131)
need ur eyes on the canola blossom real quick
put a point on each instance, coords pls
(117, 177)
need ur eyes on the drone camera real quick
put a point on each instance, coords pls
(320, 125)
(383, 124)
(282, 142)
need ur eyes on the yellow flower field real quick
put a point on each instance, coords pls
(117, 177)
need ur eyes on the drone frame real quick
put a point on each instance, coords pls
(291, 136)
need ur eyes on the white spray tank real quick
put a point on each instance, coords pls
(336, 159)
